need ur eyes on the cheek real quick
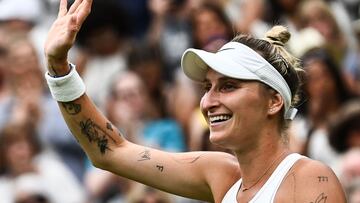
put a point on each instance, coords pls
(202, 107)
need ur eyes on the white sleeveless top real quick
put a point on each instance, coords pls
(267, 193)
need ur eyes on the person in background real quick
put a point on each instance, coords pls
(102, 44)
(344, 127)
(21, 155)
(325, 92)
(27, 100)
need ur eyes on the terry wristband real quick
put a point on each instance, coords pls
(66, 88)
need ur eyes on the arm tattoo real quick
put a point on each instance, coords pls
(54, 71)
(323, 178)
(71, 108)
(109, 126)
(188, 160)
(160, 168)
(144, 155)
(94, 133)
(320, 199)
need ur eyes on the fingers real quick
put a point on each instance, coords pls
(75, 6)
(62, 8)
(83, 11)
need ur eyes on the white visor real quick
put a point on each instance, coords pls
(238, 61)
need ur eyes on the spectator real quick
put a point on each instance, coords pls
(28, 101)
(344, 128)
(326, 92)
(21, 154)
(102, 48)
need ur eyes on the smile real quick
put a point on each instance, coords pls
(219, 118)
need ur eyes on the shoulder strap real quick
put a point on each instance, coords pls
(268, 191)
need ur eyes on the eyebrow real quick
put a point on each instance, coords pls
(223, 79)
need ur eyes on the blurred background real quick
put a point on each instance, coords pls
(128, 53)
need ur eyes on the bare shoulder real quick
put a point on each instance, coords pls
(222, 173)
(311, 181)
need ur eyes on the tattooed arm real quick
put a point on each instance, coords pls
(200, 175)
(310, 181)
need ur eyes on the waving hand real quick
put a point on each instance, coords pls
(62, 34)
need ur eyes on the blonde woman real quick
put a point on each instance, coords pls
(251, 86)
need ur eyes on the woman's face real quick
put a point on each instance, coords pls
(235, 110)
(208, 25)
(19, 155)
(320, 84)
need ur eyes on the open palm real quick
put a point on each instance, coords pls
(62, 34)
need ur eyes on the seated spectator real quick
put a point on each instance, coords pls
(131, 107)
(344, 128)
(28, 100)
(21, 154)
(326, 91)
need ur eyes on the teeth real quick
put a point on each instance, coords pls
(219, 118)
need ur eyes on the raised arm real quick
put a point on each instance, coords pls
(186, 174)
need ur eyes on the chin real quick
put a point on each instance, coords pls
(218, 138)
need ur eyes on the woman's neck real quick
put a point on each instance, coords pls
(257, 165)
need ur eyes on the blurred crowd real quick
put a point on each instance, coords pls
(128, 53)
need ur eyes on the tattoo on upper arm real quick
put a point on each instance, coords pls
(71, 108)
(144, 155)
(94, 133)
(320, 199)
(323, 178)
(160, 167)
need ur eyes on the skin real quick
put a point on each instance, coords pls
(252, 133)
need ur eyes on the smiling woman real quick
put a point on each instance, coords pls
(251, 89)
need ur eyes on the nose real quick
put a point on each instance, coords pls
(210, 101)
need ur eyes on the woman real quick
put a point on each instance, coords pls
(244, 115)
(24, 162)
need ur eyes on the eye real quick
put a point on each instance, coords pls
(206, 87)
(228, 86)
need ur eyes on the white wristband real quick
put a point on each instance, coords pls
(66, 88)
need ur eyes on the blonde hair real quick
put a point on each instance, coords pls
(272, 48)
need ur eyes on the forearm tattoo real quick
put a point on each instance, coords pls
(144, 155)
(71, 108)
(109, 126)
(94, 133)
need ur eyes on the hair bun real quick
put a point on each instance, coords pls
(278, 35)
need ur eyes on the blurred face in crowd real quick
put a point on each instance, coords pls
(288, 5)
(320, 84)
(130, 94)
(208, 25)
(317, 15)
(103, 41)
(22, 59)
(18, 155)
(150, 73)
(230, 106)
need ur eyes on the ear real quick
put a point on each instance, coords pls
(276, 102)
